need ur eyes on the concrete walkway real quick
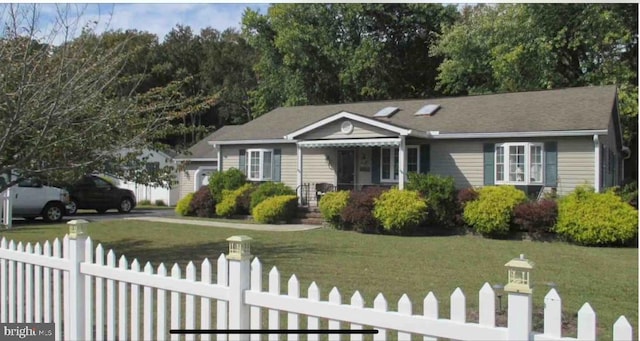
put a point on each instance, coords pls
(255, 227)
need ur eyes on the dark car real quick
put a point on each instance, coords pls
(94, 192)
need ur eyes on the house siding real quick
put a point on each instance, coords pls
(360, 130)
(576, 163)
(187, 176)
(288, 160)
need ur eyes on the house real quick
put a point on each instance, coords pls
(552, 140)
(199, 162)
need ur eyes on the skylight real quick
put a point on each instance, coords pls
(386, 112)
(428, 109)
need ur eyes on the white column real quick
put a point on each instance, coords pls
(402, 167)
(519, 316)
(219, 163)
(7, 208)
(597, 169)
(239, 282)
(299, 174)
(77, 239)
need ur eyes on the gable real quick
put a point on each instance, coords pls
(366, 126)
(340, 130)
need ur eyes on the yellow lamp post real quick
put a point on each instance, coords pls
(519, 275)
(239, 247)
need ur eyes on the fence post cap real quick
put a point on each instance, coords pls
(77, 228)
(239, 247)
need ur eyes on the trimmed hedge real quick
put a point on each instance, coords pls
(267, 190)
(590, 218)
(230, 179)
(203, 205)
(491, 213)
(281, 208)
(400, 211)
(183, 205)
(358, 214)
(440, 193)
(536, 216)
(331, 206)
(231, 200)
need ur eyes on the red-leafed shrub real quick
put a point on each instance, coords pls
(202, 204)
(462, 198)
(536, 216)
(358, 214)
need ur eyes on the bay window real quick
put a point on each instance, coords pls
(519, 163)
(259, 164)
(389, 162)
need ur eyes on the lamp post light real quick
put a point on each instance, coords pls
(519, 275)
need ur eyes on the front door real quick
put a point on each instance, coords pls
(346, 169)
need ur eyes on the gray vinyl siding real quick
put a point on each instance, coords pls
(576, 163)
(186, 178)
(360, 130)
(319, 165)
(460, 159)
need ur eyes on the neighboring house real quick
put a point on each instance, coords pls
(155, 160)
(538, 140)
(200, 162)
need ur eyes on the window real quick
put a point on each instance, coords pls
(519, 163)
(259, 164)
(389, 162)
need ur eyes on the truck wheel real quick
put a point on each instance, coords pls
(125, 205)
(72, 207)
(53, 212)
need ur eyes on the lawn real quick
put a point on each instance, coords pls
(607, 278)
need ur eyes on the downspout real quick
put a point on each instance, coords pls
(597, 169)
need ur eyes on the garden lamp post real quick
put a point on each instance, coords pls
(519, 293)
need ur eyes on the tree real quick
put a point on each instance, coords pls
(59, 115)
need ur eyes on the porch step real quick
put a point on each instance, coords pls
(308, 215)
(308, 221)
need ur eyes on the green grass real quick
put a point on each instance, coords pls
(607, 278)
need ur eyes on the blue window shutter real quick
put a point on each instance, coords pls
(242, 166)
(425, 158)
(488, 150)
(277, 156)
(375, 165)
(551, 164)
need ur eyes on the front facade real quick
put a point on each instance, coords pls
(378, 143)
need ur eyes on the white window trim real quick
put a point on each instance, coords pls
(260, 162)
(527, 163)
(392, 156)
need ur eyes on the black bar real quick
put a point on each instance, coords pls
(273, 331)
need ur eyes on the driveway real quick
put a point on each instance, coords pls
(109, 215)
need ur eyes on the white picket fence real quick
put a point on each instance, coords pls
(87, 297)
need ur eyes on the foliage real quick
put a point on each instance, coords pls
(400, 211)
(183, 207)
(244, 200)
(267, 190)
(275, 209)
(462, 198)
(358, 214)
(230, 203)
(203, 204)
(629, 193)
(440, 193)
(144, 202)
(230, 179)
(536, 216)
(590, 218)
(160, 202)
(331, 206)
(491, 214)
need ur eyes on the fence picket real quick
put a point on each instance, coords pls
(37, 283)
(622, 330)
(161, 307)
(430, 310)
(66, 307)
(148, 307)
(190, 304)
(553, 314)
(88, 292)
(292, 319)
(135, 304)
(28, 281)
(358, 302)
(487, 306)
(335, 298)
(20, 287)
(99, 296)
(404, 308)
(380, 304)
(176, 316)
(46, 285)
(274, 315)
(586, 323)
(111, 299)
(12, 286)
(122, 302)
(3, 284)
(57, 292)
(313, 323)
(458, 306)
(256, 285)
(222, 306)
(205, 303)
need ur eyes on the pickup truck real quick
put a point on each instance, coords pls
(31, 199)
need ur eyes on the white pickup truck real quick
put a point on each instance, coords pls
(31, 199)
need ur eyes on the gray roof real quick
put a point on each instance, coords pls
(202, 149)
(583, 108)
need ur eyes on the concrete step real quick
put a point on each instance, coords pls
(308, 221)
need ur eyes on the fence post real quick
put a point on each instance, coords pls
(520, 303)
(77, 239)
(239, 281)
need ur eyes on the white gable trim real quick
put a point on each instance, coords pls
(348, 115)
(262, 141)
(550, 133)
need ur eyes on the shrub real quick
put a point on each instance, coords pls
(276, 209)
(536, 216)
(440, 193)
(590, 218)
(144, 202)
(160, 202)
(203, 204)
(629, 193)
(359, 211)
(400, 210)
(244, 200)
(230, 201)
(462, 198)
(331, 206)
(184, 204)
(267, 190)
(491, 214)
(230, 179)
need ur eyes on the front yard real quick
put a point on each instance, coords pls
(607, 278)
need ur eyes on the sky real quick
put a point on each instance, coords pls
(154, 18)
